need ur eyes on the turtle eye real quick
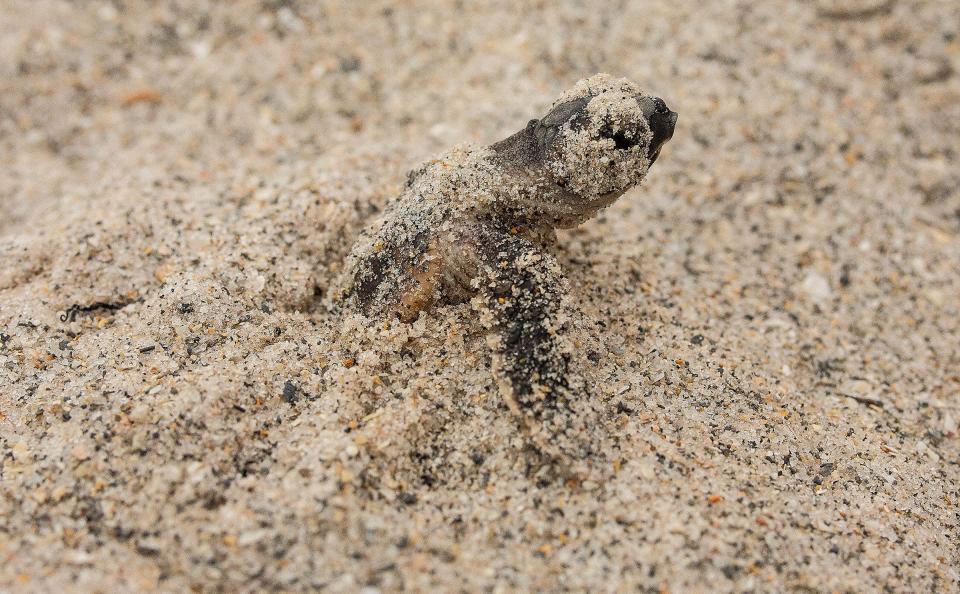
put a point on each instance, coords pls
(619, 138)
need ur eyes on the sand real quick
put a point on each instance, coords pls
(770, 322)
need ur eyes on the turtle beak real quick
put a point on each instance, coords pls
(662, 122)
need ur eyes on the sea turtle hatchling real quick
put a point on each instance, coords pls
(476, 222)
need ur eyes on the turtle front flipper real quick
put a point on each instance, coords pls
(525, 295)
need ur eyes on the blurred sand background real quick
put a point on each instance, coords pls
(772, 320)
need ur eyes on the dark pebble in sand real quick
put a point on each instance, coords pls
(289, 392)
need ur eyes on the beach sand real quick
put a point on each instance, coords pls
(770, 323)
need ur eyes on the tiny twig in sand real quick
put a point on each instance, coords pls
(864, 399)
(850, 13)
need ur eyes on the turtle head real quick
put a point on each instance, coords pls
(597, 141)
